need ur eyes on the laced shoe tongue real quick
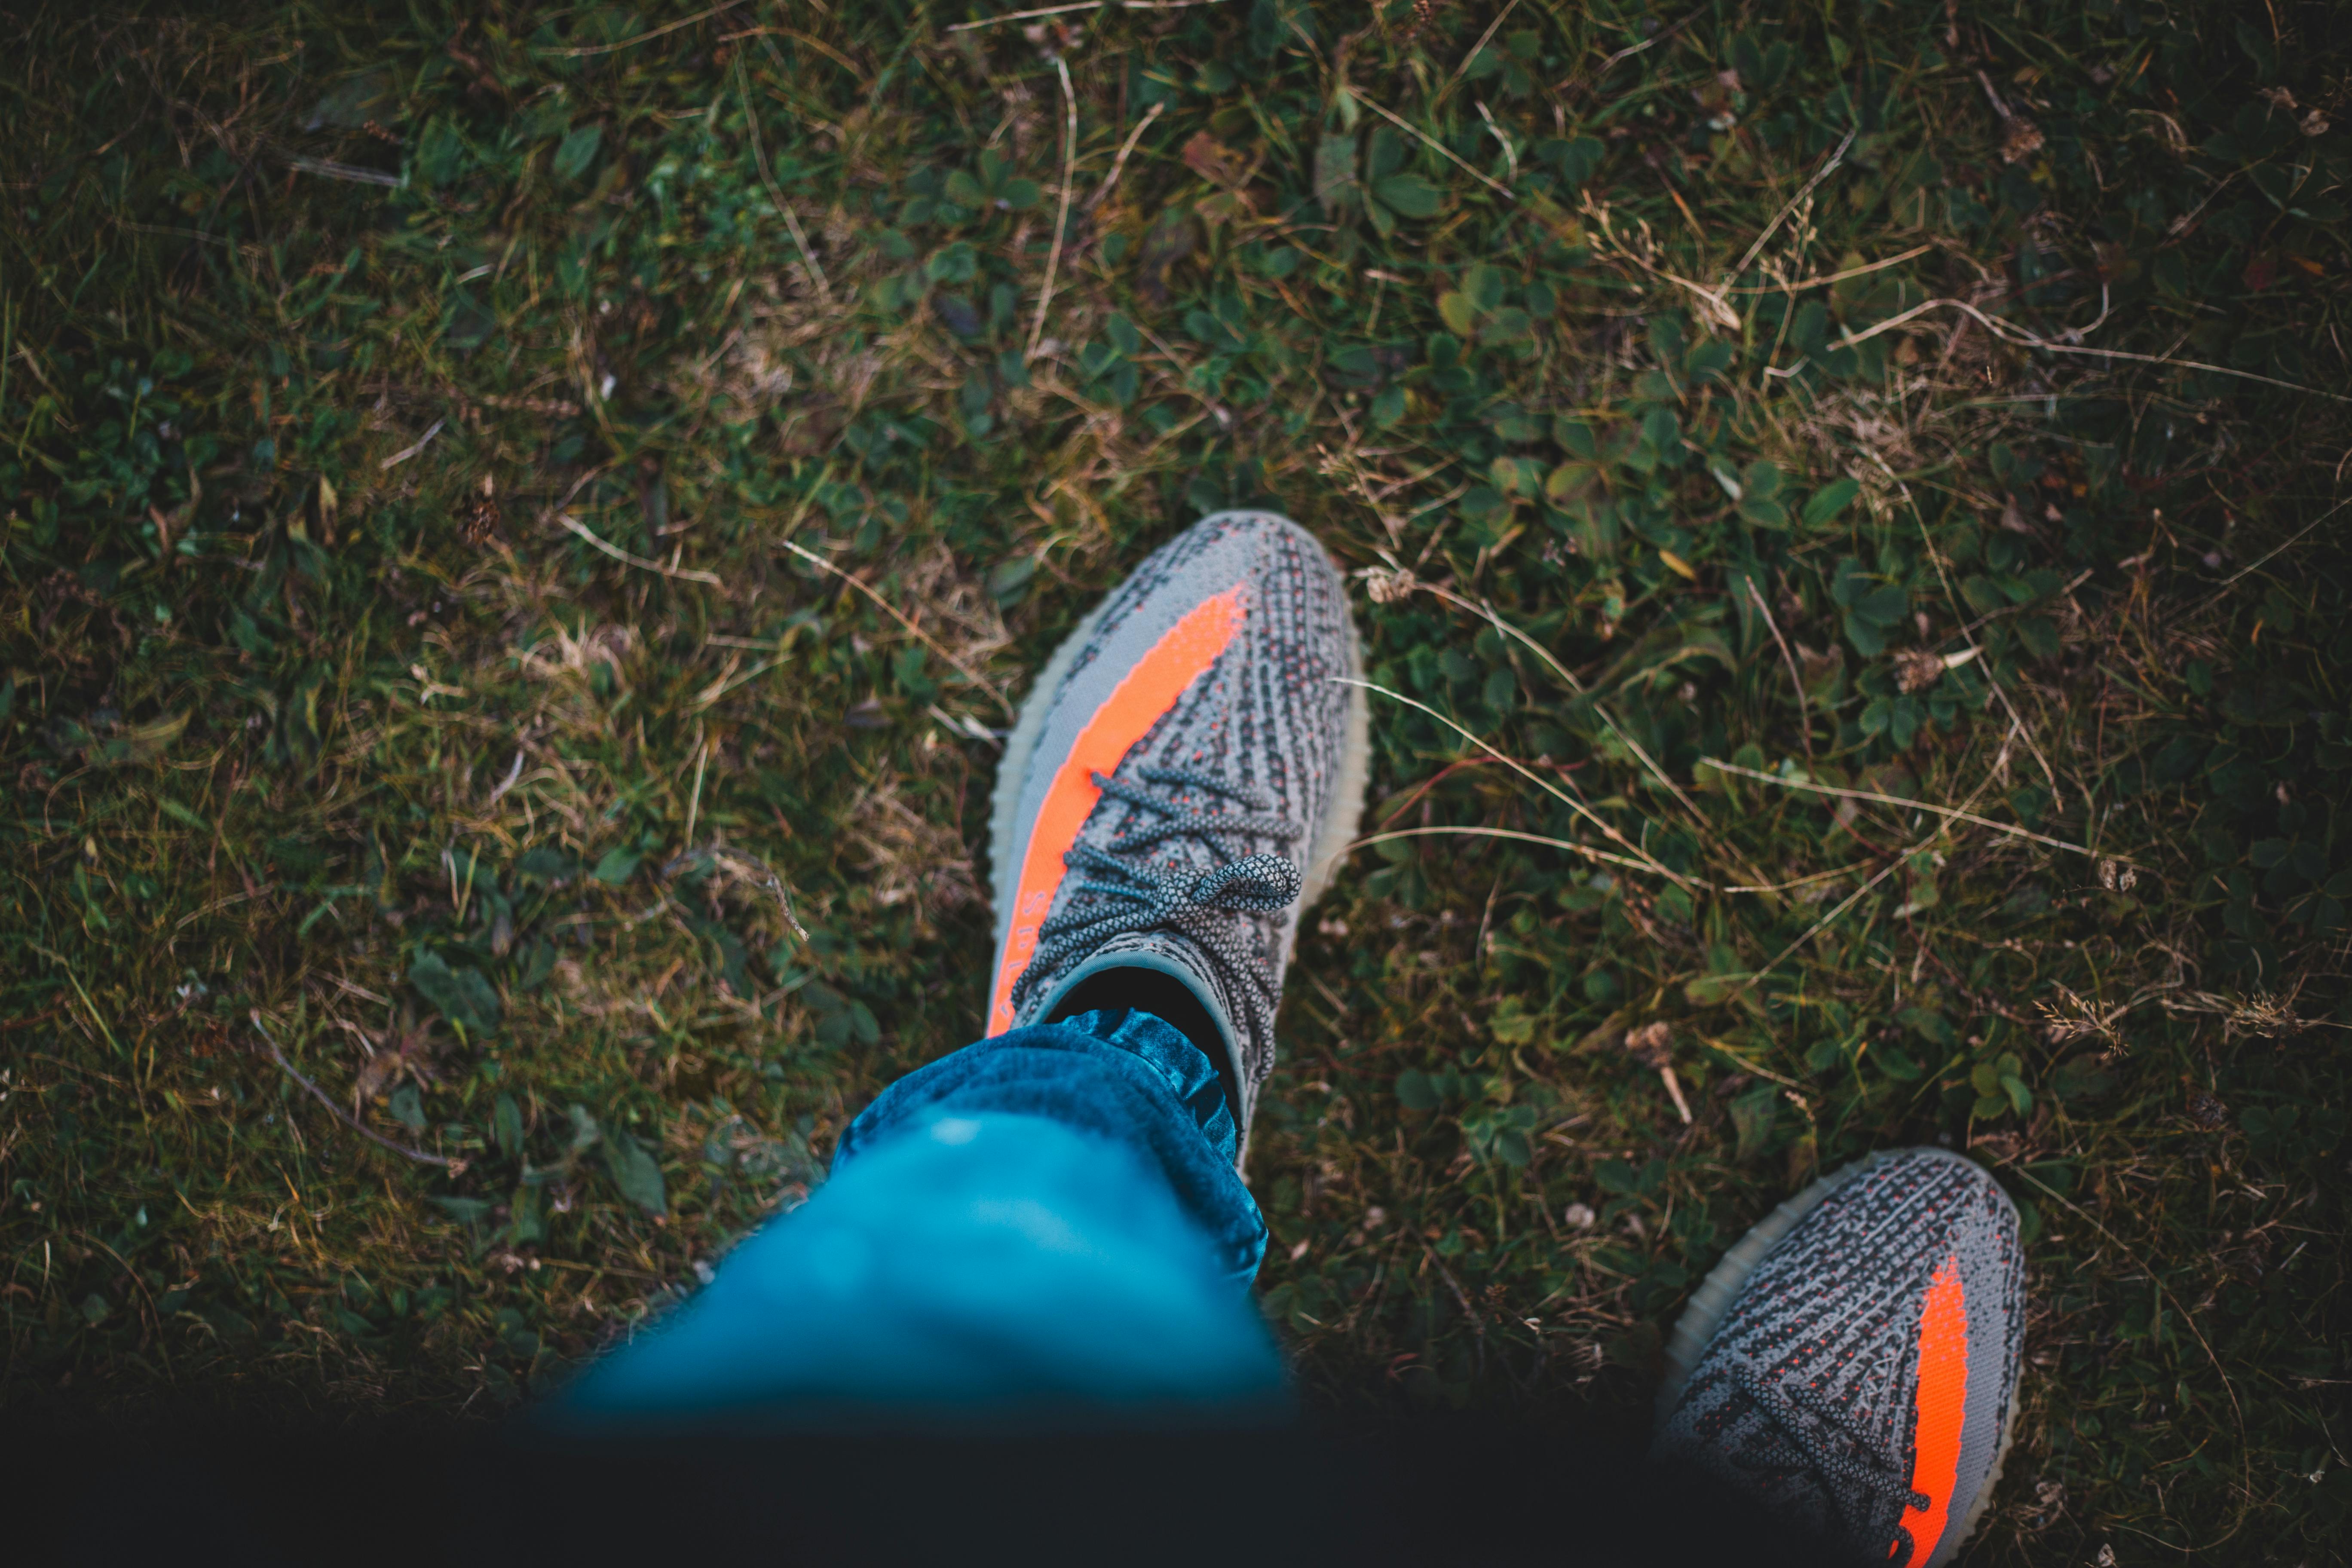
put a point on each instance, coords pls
(1174, 869)
(1183, 901)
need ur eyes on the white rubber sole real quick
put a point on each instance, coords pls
(1712, 1301)
(1346, 812)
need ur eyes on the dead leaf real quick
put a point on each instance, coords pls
(407, 1053)
(1216, 162)
(376, 1074)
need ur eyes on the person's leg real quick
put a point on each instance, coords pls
(1054, 1218)
(1048, 1222)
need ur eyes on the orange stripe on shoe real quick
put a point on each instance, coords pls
(1134, 706)
(1941, 1409)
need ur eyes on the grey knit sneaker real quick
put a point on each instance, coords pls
(1853, 1362)
(1179, 788)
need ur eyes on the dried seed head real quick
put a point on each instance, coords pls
(1648, 1044)
(1916, 670)
(2019, 138)
(1424, 13)
(1386, 587)
(478, 515)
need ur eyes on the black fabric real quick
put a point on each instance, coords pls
(1467, 1491)
(1165, 997)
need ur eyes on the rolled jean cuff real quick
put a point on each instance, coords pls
(1119, 1074)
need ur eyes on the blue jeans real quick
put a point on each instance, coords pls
(1047, 1223)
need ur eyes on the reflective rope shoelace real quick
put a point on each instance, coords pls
(1806, 1435)
(1139, 899)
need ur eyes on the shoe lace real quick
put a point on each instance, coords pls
(1806, 1432)
(1132, 897)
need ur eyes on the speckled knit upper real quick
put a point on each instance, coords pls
(1199, 836)
(1863, 1379)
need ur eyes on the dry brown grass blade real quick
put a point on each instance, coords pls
(1061, 219)
(2281, 548)
(683, 574)
(1826, 280)
(760, 161)
(1569, 676)
(2245, 1453)
(759, 871)
(1795, 882)
(1570, 846)
(1443, 151)
(1484, 39)
(1082, 6)
(2020, 338)
(1829, 167)
(1951, 597)
(1574, 805)
(1699, 819)
(1827, 921)
(1894, 863)
(1949, 812)
(1796, 678)
(346, 1118)
(1126, 150)
(928, 641)
(647, 35)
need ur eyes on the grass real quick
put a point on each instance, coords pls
(520, 522)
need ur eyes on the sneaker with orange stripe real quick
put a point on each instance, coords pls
(1853, 1362)
(1177, 789)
